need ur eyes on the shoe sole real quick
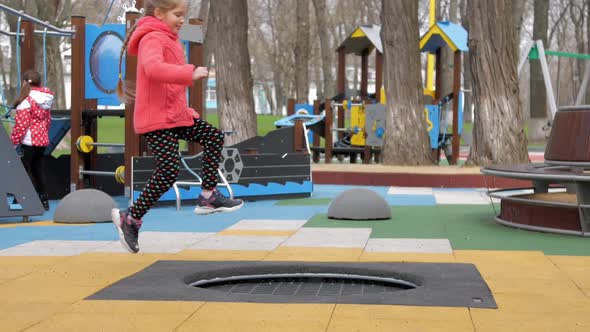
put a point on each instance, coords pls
(203, 211)
(116, 218)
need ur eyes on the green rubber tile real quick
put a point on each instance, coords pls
(467, 227)
(304, 202)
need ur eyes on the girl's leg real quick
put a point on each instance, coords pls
(211, 139)
(164, 146)
(37, 166)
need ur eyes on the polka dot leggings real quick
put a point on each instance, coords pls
(164, 146)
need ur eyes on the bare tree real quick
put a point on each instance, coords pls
(406, 142)
(538, 96)
(325, 49)
(235, 101)
(302, 50)
(498, 131)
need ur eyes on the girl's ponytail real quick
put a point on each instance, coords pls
(124, 92)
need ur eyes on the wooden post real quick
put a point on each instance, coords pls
(364, 75)
(378, 75)
(27, 54)
(456, 90)
(78, 93)
(329, 119)
(316, 137)
(298, 139)
(196, 99)
(90, 125)
(132, 146)
(290, 106)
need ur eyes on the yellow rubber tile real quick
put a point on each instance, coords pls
(510, 264)
(570, 260)
(133, 307)
(19, 316)
(256, 232)
(259, 317)
(559, 287)
(382, 318)
(500, 321)
(112, 321)
(406, 257)
(85, 272)
(577, 268)
(220, 255)
(315, 254)
(540, 304)
(12, 267)
(22, 291)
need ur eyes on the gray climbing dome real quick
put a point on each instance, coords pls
(359, 204)
(84, 206)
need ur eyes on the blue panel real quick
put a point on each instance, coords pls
(59, 128)
(434, 117)
(271, 189)
(101, 69)
(456, 33)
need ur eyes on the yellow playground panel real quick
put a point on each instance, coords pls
(357, 122)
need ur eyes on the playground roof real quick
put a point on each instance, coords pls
(444, 33)
(363, 38)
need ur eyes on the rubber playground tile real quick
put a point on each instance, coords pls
(314, 254)
(52, 248)
(230, 242)
(24, 291)
(541, 304)
(349, 317)
(406, 257)
(411, 200)
(409, 245)
(221, 255)
(254, 232)
(551, 287)
(135, 307)
(499, 321)
(329, 237)
(13, 267)
(420, 191)
(461, 197)
(90, 322)
(267, 225)
(20, 316)
(259, 317)
(304, 202)
(159, 242)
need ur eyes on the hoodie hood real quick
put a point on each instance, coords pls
(146, 25)
(42, 96)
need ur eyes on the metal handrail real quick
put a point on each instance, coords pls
(36, 20)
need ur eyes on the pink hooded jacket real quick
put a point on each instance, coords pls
(162, 77)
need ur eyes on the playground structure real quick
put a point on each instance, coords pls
(95, 57)
(367, 113)
(559, 199)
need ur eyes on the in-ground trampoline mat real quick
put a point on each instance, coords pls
(424, 284)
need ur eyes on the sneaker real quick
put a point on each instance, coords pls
(217, 203)
(45, 205)
(128, 229)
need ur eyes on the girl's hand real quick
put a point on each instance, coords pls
(194, 113)
(200, 73)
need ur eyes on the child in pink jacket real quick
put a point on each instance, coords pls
(31, 128)
(163, 117)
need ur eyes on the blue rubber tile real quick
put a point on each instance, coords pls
(411, 200)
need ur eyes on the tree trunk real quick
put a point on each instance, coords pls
(406, 140)
(325, 49)
(467, 79)
(498, 131)
(235, 100)
(302, 50)
(446, 57)
(538, 95)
